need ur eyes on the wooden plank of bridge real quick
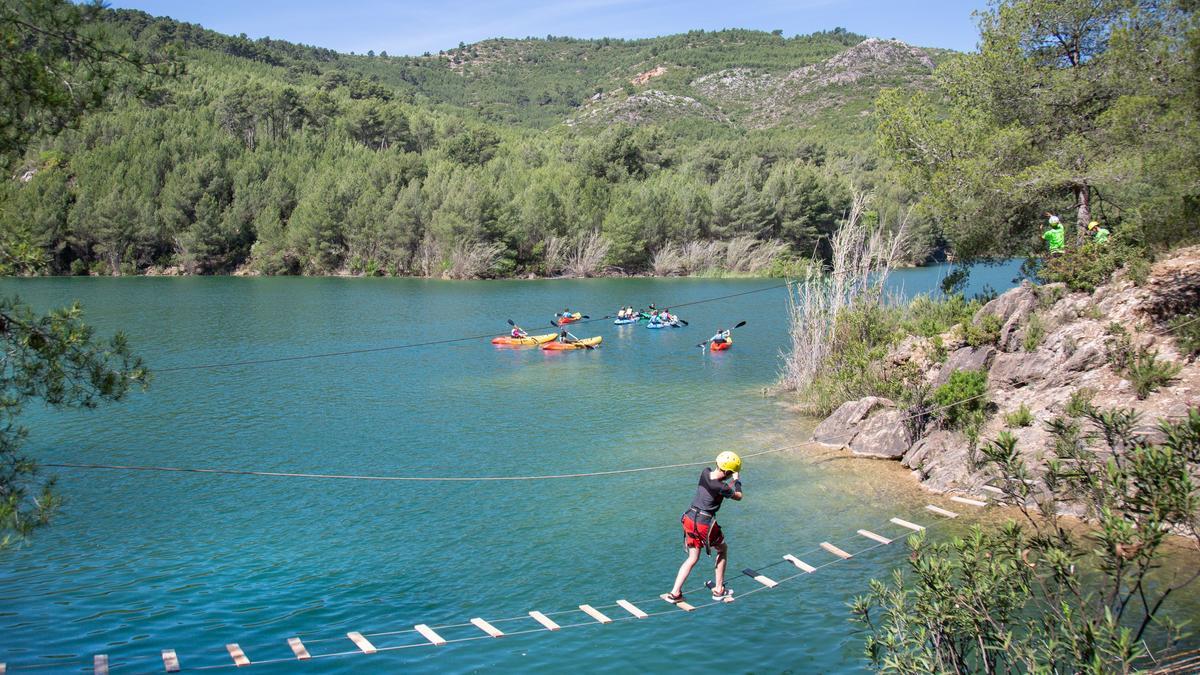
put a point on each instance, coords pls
(681, 605)
(170, 661)
(544, 620)
(800, 563)
(487, 627)
(875, 537)
(940, 511)
(238, 656)
(100, 664)
(835, 550)
(299, 649)
(430, 634)
(361, 642)
(595, 613)
(632, 609)
(965, 500)
(992, 489)
(904, 523)
(753, 574)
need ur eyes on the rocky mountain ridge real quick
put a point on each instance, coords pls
(1084, 337)
(847, 81)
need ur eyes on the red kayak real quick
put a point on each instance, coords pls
(720, 346)
(569, 318)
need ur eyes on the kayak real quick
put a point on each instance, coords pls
(531, 341)
(622, 322)
(720, 346)
(582, 344)
(664, 325)
(570, 318)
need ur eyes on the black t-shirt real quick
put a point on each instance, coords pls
(710, 493)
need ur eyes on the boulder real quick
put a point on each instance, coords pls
(967, 358)
(1013, 308)
(1013, 371)
(940, 458)
(844, 424)
(883, 435)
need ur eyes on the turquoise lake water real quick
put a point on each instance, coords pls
(141, 562)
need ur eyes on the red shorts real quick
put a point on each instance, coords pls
(701, 534)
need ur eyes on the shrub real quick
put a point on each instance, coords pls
(1119, 348)
(1080, 402)
(79, 267)
(1148, 374)
(1186, 329)
(963, 399)
(1048, 295)
(1034, 331)
(928, 317)
(983, 331)
(1037, 595)
(1086, 267)
(1021, 417)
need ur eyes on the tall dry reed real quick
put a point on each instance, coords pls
(861, 261)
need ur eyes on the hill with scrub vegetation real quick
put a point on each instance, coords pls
(729, 152)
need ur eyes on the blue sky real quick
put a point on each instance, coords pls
(403, 27)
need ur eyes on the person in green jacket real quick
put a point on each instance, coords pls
(1054, 235)
(1099, 234)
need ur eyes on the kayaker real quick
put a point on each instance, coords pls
(721, 336)
(566, 338)
(700, 528)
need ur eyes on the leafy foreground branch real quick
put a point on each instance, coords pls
(55, 358)
(1039, 595)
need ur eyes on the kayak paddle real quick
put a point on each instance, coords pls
(739, 325)
(555, 324)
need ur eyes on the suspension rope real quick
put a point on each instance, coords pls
(153, 664)
(428, 343)
(467, 479)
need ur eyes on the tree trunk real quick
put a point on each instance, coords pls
(1083, 201)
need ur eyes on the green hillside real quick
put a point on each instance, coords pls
(497, 158)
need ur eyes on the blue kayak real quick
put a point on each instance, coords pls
(663, 325)
(622, 322)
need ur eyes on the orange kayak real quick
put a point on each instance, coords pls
(531, 341)
(720, 346)
(569, 318)
(582, 344)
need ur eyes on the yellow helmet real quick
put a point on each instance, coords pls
(1093, 225)
(729, 461)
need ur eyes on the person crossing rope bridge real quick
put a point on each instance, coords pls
(700, 528)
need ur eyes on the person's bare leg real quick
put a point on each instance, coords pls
(684, 570)
(719, 569)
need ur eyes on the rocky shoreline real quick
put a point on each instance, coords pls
(1079, 338)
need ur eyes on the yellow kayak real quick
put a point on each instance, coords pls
(531, 341)
(582, 344)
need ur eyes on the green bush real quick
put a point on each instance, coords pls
(79, 267)
(1034, 332)
(984, 331)
(1148, 374)
(1080, 402)
(963, 399)
(1085, 267)
(928, 317)
(1186, 329)
(1021, 417)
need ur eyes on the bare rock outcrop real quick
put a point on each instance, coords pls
(1071, 353)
